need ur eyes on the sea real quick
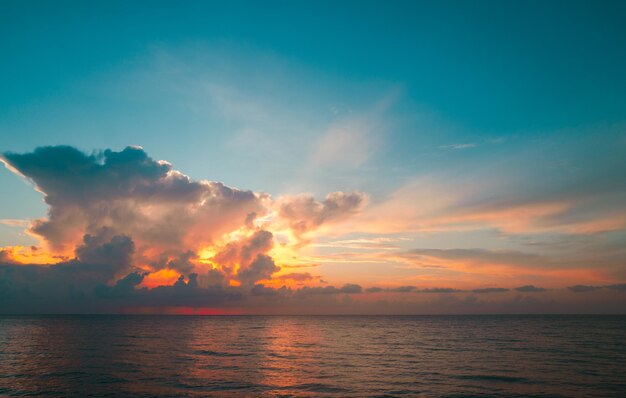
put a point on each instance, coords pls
(313, 356)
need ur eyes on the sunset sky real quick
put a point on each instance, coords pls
(313, 157)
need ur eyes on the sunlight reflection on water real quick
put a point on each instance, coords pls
(313, 356)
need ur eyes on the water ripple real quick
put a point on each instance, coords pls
(454, 356)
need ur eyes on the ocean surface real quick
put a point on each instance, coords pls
(313, 356)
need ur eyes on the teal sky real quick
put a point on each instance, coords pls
(244, 92)
(509, 116)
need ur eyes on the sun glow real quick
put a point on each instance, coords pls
(29, 255)
(162, 277)
(206, 254)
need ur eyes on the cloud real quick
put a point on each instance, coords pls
(459, 146)
(379, 243)
(402, 289)
(14, 222)
(122, 222)
(261, 290)
(169, 217)
(129, 193)
(126, 231)
(412, 289)
(261, 268)
(452, 203)
(349, 142)
(100, 260)
(106, 249)
(482, 256)
(494, 266)
(348, 288)
(297, 276)
(440, 290)
(303, 213)
(241, 252)
(490, 290)
(529, 289)
(582, 288)
(619, 287)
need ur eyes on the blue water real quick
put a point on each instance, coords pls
(353, 356)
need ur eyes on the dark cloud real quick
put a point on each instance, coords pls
(124, 287)
(351, 288)
(582, 288)
(529, 289)
(214, 277)
(106, 249)
(100, 259)
(440, 290)
(620, 287)
(490, 290)
(402, 289)
(409, 289)
(347, 289)
(176, 260)
(261, 268)
(79, 287)
(262, 290)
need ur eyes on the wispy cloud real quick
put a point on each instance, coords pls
(459, 146)
(14, 222)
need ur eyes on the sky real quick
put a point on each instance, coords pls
(313, 157)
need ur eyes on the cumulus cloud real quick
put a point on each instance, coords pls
(169, 216)
(119, 221)
(261, 268)
(129, 193)
(106, 249)
(303, 213)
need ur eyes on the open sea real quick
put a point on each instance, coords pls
(313, 356)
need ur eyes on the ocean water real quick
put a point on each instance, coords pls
(292, 356)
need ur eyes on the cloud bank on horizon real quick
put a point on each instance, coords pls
(125, 232)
